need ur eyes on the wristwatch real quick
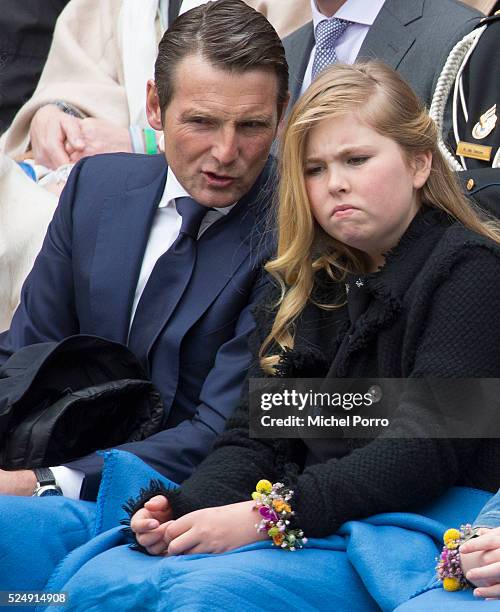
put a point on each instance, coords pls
(45, 483)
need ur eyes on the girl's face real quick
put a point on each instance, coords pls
(361, 187)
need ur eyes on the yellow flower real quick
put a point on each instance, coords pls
(264, 486)
(280, 506)
(256, 496)
(450, 535)
(451, 584)
(274, 531)
(278, 539)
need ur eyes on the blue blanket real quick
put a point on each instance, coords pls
(382, 562)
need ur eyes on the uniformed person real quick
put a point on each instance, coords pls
(475, 138)
(470, 81)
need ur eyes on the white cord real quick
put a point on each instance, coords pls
(454, 64)
(496, 160)
(459, 87)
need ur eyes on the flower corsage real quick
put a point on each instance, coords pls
(449, 569)
(273, 504)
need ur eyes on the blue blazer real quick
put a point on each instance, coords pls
(84, 280)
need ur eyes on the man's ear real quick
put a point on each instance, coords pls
(153, 111)
(281, 122)
(421, 164)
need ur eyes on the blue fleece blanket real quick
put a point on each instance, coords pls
(78, 547)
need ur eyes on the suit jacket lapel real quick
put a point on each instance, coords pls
(389, 39)
(298, 51)
(221, 250)
(123, 233)
(219, 256)
(231, 239)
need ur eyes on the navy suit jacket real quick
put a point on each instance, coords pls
(84, 280)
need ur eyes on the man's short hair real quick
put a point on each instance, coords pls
(230, 35)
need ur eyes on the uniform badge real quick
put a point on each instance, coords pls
(474, 150)
(486, 123)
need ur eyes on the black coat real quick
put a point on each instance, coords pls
(433, 312)
(61, 400)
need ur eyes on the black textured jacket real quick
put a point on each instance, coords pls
(433, 312)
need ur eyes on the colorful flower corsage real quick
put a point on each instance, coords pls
(449, 569)
(272, 503)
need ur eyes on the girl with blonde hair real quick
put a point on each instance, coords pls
(383, 269)
(370, 94)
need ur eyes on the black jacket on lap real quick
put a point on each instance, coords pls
(62, 400)
(433, 311)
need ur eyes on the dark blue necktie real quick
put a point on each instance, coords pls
(168, 281)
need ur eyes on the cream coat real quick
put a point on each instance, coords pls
(83, 68)
(25, 212)
(85, 63)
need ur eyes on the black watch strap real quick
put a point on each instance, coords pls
(44, 477)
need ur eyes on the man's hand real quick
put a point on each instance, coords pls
(19, 482)
(480, 559)
(99, 136)
(51, 132)
(214, 530)
(149, 524)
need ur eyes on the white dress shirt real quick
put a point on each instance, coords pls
(362, 14)
(164, 230)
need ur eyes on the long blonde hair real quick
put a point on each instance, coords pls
(380, 98)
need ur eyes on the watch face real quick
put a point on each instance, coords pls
(50, 490)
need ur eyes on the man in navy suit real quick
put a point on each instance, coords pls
(220, 89)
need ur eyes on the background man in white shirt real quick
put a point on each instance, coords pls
(412, 37)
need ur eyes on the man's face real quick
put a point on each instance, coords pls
(219, 127)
